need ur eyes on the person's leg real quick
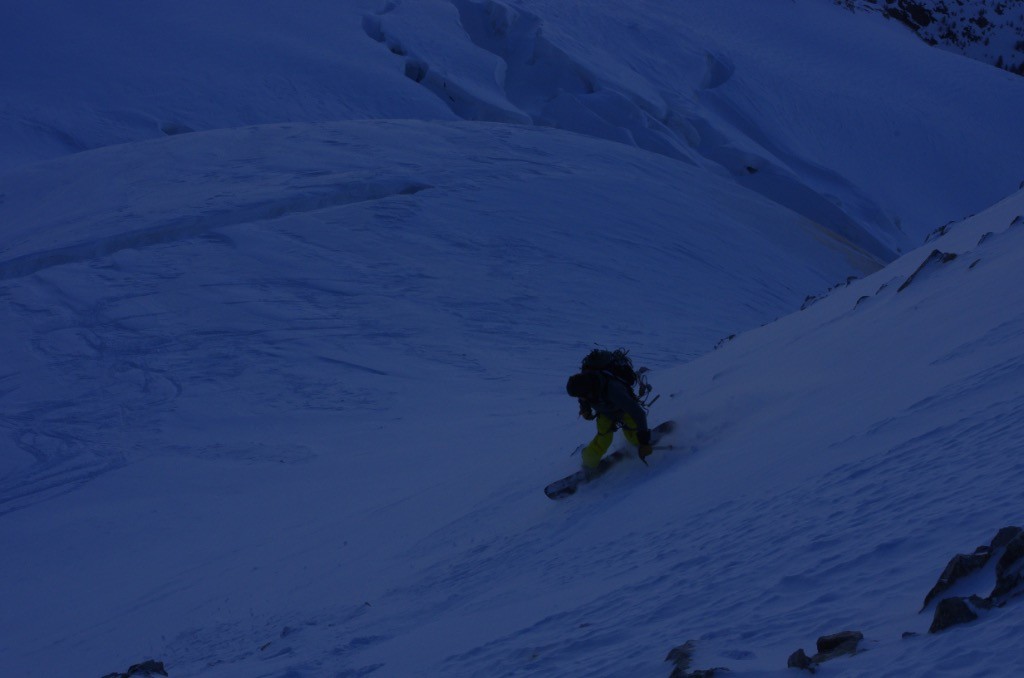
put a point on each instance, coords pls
(593, 452)
(629, 430)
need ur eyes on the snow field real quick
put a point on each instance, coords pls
(279, 396)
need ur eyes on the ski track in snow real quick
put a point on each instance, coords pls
(66, 438)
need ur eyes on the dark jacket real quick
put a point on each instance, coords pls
(613, 399)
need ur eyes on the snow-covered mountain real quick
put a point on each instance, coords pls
(988, 30)
(289, 299)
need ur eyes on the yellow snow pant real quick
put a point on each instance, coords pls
(593, 452)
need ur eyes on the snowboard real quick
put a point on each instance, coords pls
(569, 484)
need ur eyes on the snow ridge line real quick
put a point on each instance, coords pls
(542, 84)
(183, 228)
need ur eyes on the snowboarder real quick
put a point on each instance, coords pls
(610, 400)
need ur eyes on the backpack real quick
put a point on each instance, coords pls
(618, 365)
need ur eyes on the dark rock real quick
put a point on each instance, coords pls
(1009, 573)
(800, 660)
(934, 259)
(812, 299)
(146, 669)
(912, 14)
(951, 612)
(723, 342)
(682, 655)
(829, 647)
(958, 567)
(837, 644)
(938, 232)
(1005, 536)
(1010, 568)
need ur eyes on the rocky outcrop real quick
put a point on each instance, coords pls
(933, 261)
(146, 669)
(962, 565)
(1007, 547)
(829, 647)
(991, 31)
(1010, 570)
(953, 611)
(1002, 559)
(812, 299)
(681, 657)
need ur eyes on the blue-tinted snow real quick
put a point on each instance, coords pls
(288, 299)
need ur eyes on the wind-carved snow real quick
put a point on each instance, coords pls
(518, 75)
(534, 81)
(318, 197)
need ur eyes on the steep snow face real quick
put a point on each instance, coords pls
(854, 443)
(224, 339)
(323, 468)
(988, 30)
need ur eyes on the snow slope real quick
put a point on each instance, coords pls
(78, 77)
(878, 138)
(829, 464)
(279, 400)
(991, 31)
(346, 268)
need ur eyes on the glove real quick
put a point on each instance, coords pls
(644, 449)
(586, 412)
